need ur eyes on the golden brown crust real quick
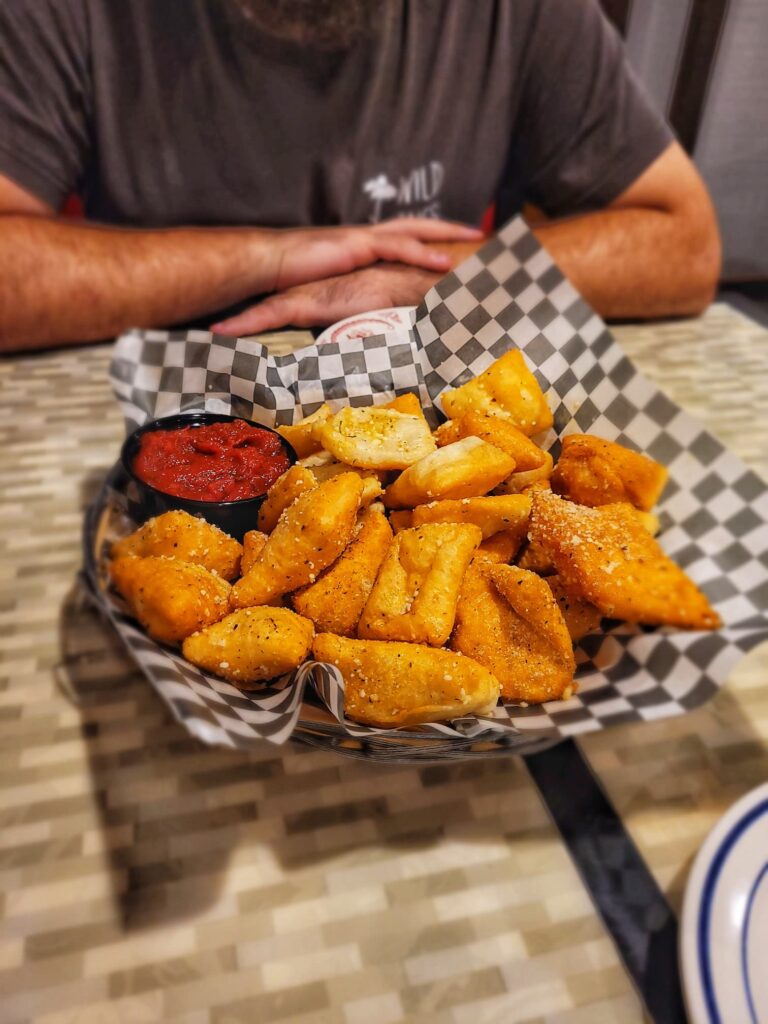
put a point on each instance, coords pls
(535, 558)
(503, 546)
(465, 469)
(171, 599)
(401, 520)
(335, 602)
(390, 685)
(607, 557)
(372, 487)
(414, 597)
(449, 432)
(648, 521)
(495, 431)
(525, 481)
(283, 492)
(595, 472)
(507, 389)
(177, 534)
(580, 616)
(251, 645)
(407, 403)
(303, 436)
(491, 513)
(310, 535)
(253, 545)
(509, 620)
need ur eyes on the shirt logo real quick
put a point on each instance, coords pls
(414, 195)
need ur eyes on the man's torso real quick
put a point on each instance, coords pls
(199, 118)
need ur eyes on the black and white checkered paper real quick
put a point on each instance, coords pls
(510, 294)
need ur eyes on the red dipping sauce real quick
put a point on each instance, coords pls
(217, 462)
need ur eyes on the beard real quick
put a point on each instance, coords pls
(318, 24)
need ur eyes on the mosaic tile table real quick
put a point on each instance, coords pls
(144, 878)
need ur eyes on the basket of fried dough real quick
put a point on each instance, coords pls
(437, 571)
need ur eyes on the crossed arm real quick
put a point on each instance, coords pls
(62, 281)
(654, 251)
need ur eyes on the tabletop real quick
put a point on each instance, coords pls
(146, 878)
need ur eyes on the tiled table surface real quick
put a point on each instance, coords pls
(145, 878)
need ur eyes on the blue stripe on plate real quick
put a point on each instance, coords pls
(705, 910)
(745, 942)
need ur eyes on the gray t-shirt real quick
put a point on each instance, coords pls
(163, 112)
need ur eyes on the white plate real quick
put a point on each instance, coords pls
(363, 325)
(724, 935)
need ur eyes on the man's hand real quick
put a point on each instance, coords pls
(310, 254)
(654, 251)
(319, 303)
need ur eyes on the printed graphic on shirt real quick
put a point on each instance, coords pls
(415, 194)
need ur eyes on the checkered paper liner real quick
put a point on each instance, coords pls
(510, 294)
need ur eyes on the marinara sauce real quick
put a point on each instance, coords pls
(224, 461)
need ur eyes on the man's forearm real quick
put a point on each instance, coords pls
(62, 281)
(630, 263)
(636, 263)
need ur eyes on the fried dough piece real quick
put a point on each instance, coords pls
(317, 459)
(303, 435)
(253, 545)
(177, 534)
(407, 403)
(483, 622)
(609, 559)
(283, 492)
(414, 596)
(543, 648)
(506, 389)
(503, 546)
(377, 438)
(311, 533)
(448, 432)
(372, 491)
(491, 514)
(648, 521)
(521, 483)
(402, 520)
(333, 468)
(535, 558)
(389, 685)
(511, 623)
(335, 602)
(495, 431)
(595, 472)
(251, 645)
(171, 599)
(580, 616)
(465, 469)
(372, 488)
